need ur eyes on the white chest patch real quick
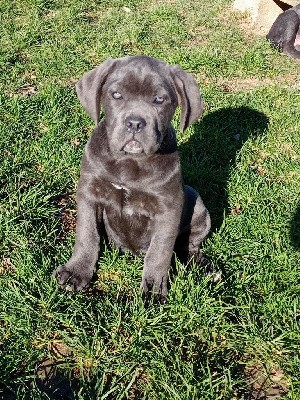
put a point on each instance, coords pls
(129, 211)
(126, 208)
(120, 187)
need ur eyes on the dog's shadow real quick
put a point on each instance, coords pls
(295, 228)
(211, 152)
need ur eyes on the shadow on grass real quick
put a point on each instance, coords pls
(208, 156)
(295, 228)
(50, 383)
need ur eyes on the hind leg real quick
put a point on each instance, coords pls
(195, 226)
(200, 222)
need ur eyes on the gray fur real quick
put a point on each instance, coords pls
(285, 32)
(130, 178)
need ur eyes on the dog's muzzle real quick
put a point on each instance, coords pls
(133, 147)
(134, 125)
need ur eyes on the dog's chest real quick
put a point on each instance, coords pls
(126, 204)
(124, 200)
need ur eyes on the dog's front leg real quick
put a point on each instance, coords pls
(158, 257)
(79, 270)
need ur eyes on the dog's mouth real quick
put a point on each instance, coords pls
(133, 147)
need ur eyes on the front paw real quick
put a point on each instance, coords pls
(73, 276)
(155, 288)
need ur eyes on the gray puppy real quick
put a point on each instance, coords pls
(130, 179)
(285, 32)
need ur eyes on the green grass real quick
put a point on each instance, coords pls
(237, 339)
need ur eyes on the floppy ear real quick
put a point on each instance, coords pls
(188, 95)
(89, 88)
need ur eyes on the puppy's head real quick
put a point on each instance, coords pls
(139, 96)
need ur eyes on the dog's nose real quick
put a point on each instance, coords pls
(135, 124)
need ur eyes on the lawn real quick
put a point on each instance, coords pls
(234, 339)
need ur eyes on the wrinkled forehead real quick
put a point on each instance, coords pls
(139, 78)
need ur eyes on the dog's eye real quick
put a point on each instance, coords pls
(158, 100)
(117, 96)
